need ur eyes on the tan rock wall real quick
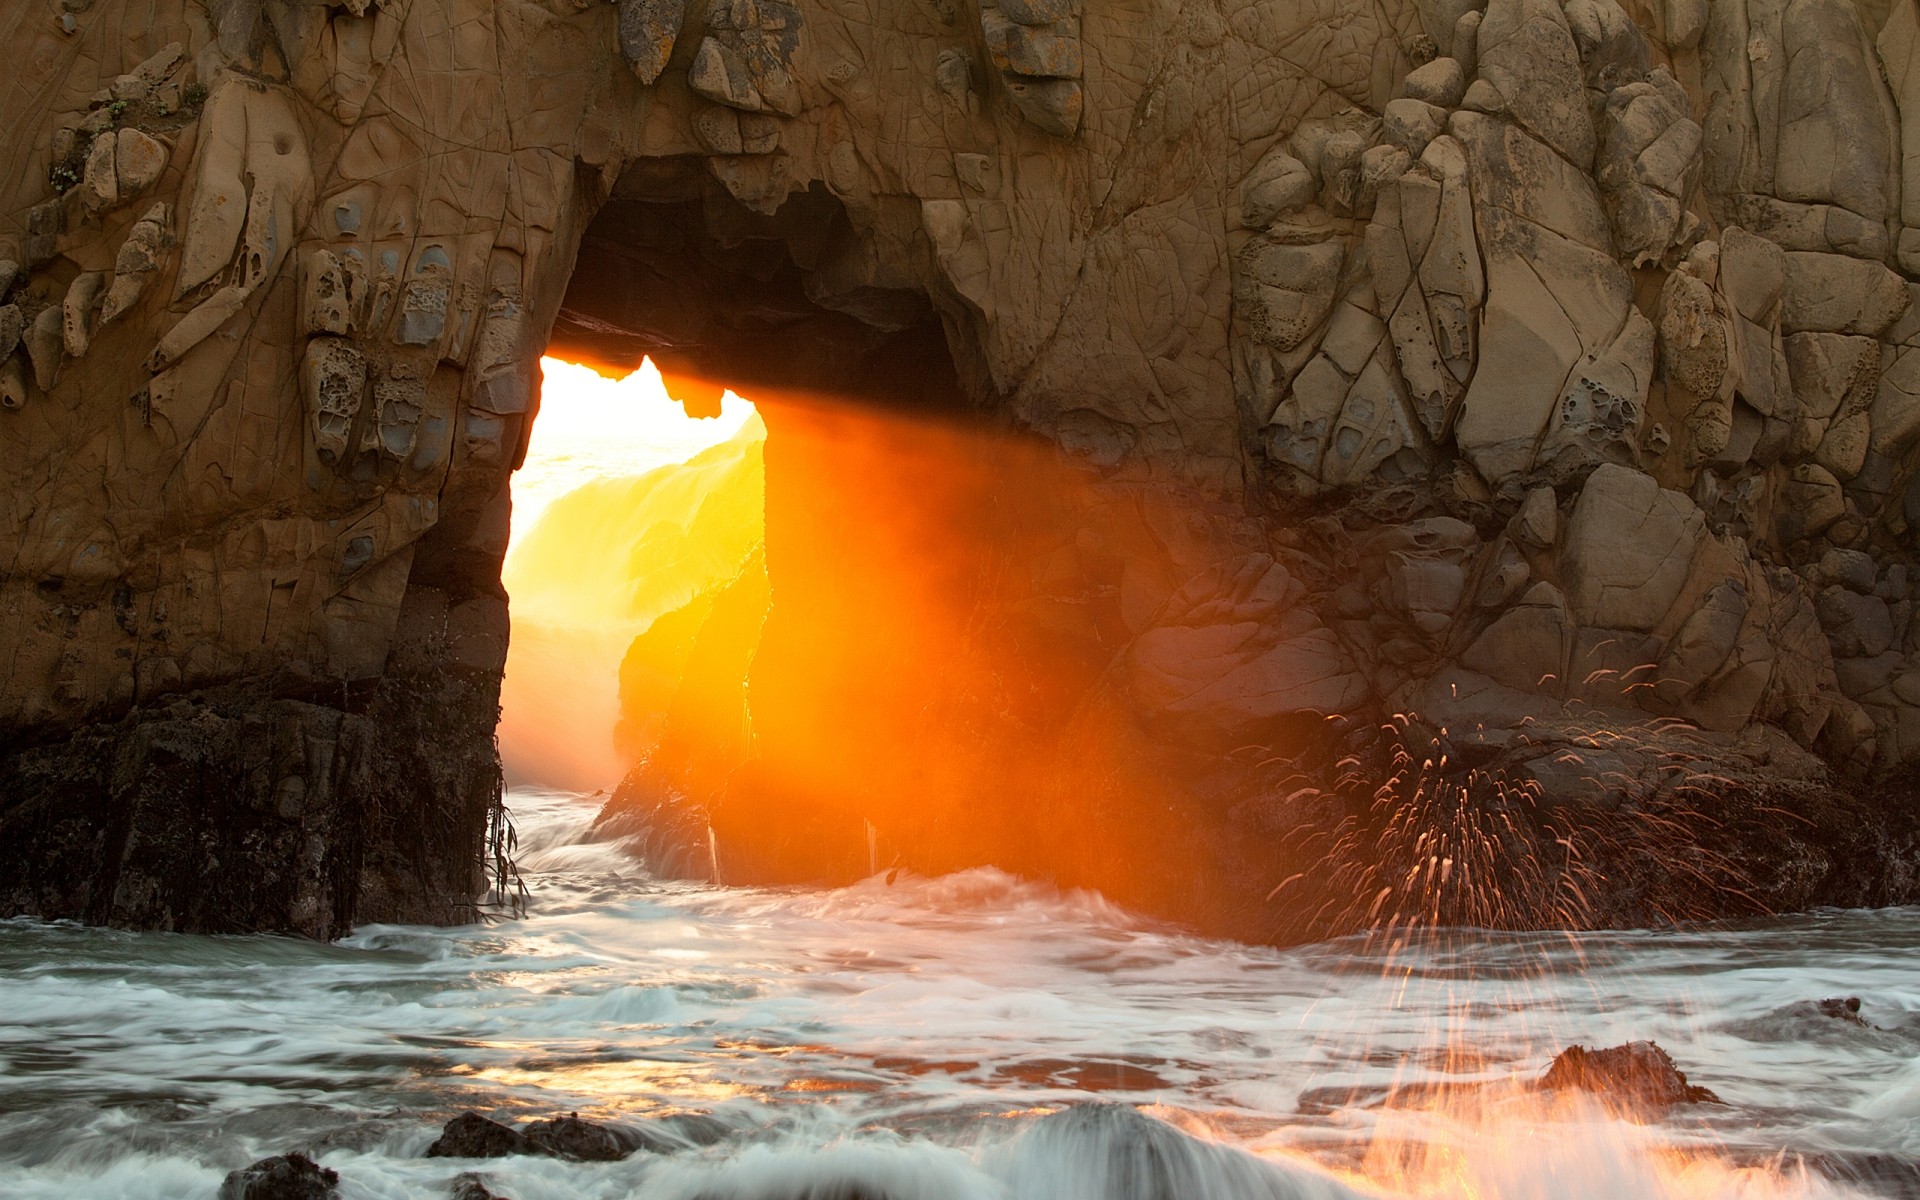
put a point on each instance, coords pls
(276, 276)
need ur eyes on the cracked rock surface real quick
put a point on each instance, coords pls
(1540, 368)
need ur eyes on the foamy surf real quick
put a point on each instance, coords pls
(969, 1036)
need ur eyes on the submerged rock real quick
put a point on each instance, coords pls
(1116, 1150)
(1875, 1174)
(1832, 1021)
(472, 1186)
(285, 1177)
(1638, 1075)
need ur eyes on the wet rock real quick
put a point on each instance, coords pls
(286, 1177)
(1637, 1075)
(584, 1141)
(1841, 1008)
(472, 1186)
(471, 1135)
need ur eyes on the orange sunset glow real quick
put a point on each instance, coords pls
(594, 491)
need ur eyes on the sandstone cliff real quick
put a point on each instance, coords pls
(1547, 369)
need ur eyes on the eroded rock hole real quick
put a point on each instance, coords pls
(917, 668)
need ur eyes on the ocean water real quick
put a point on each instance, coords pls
(972, 1036)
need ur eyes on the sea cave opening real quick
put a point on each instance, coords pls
(871, 623)
(625, 511)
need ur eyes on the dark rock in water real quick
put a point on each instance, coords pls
(471, 1186)
(286, 1177)
(471, 1135)
(1842, 1009)
(1638, 1075)
(585, 1141)
(1834, 1021)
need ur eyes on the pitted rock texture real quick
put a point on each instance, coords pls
(1527, 364)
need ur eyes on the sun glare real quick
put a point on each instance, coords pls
(624, 509)
(593, 427)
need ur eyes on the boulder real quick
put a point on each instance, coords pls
(1528, 58)
(1638, 1077)
(1285, 291)
(285, 1177)
(138, 162)
(1752, 274)
(1410, 124)
(1424, 252)
(471, 1135)
(1442, 82)
(1527, 646)
(1835, 145)
(647, 32)
(1537, 525)
(1629, 548)
(472, 1186)
(1649, 161)
(1557, 300)
(584, 1141)
(1857, 625)
(1832, 293)
(1280, 184)
(1834, 375)
(1841, 1008)
(1808, 503)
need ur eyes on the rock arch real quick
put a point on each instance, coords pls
(1510, 362)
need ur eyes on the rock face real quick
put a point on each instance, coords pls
(1548, 371)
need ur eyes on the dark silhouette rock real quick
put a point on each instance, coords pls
(286, 1177)
(471, 1135)
(585, 1141)
(1638, 1076)
(1840, 1008)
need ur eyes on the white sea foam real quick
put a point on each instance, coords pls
(904, 1038)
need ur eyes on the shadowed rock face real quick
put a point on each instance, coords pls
(1544, 370)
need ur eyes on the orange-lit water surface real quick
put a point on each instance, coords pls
(918, 1039)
